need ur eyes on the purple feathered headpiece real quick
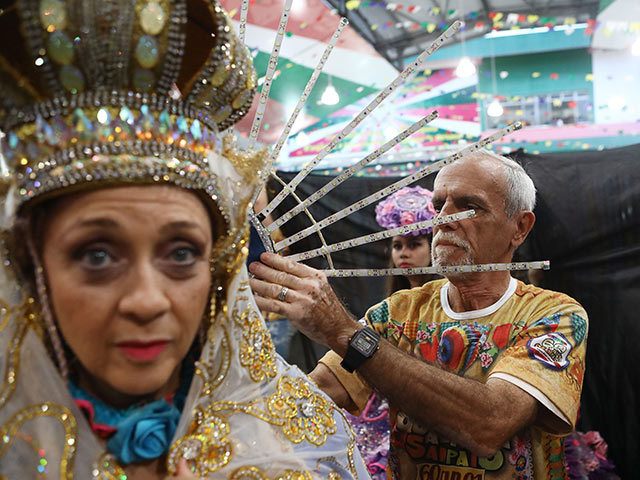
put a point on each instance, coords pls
(407, 205)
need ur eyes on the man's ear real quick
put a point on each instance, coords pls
(524, 221)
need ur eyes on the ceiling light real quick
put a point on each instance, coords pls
(465, 68)
(330, 95)
(495, 108)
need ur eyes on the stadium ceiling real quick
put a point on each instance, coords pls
(403, 40)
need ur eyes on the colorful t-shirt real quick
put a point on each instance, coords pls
(531, 337)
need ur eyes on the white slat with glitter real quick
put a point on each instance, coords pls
(487, 267)
(307, 90)
(382, 235)
(242, 30)
(349, 172)
(374, 197)
(271, 68)
(399, 80)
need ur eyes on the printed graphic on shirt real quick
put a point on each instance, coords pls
(438, 459)
(551, 349)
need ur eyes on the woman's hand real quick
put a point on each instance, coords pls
(183, 472)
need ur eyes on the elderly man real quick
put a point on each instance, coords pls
(482, 372)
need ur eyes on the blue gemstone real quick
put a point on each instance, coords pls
(182, 124)
(13, 140)
(126, 115)
(195, 130)
(82, 125)
(165, 122)
(146, 120)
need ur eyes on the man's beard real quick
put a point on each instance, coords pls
(446, 259)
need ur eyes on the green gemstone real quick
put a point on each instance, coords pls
(152, 18)
(222, 114)
(242, 98)
(147, 52)
(71, 79)
(220, 75)
(143, 80)
(60, 48)
(53, 15)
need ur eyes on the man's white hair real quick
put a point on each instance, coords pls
(521, 192)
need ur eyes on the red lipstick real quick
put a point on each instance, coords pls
(143, 351)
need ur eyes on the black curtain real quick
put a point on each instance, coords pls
(587, 225)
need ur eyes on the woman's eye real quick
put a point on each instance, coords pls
(184, 255)
(96, 258)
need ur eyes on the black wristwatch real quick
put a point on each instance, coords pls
(362, 346)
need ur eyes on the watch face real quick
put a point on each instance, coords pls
(365, 343)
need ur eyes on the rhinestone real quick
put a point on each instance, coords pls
(147, 52)
(152, 18)
(60, 48)
(103, 116)
(143, 80)
(308, 409)
(191, 449)
(71, 79)
(53, 15)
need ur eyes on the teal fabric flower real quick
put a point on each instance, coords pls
(146, 434)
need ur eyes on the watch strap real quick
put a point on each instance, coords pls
(354, 357)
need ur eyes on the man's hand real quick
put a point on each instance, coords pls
(309, 302)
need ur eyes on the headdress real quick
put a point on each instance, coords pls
(408, 205)
(101, 93)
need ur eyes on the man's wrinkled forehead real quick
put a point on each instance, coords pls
(473, 177)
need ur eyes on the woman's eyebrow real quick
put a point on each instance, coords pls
(96, 222)
(181, 225)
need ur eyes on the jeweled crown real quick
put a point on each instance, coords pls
(113, 90)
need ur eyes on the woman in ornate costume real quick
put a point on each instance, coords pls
(129, 338)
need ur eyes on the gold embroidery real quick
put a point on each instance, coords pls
(206, 366)
(5, 311)
(294, 475)
(10, 376)
(352, 443)
(206, 441)
(305, 413)
(107, 468)
(254, 473)
(249, 473)
(257, 352)
(8, 432)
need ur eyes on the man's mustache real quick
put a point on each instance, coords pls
(449, 237)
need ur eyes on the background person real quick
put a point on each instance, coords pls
(408, 205)
(483, 373)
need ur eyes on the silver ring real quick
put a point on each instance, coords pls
(283, 294)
